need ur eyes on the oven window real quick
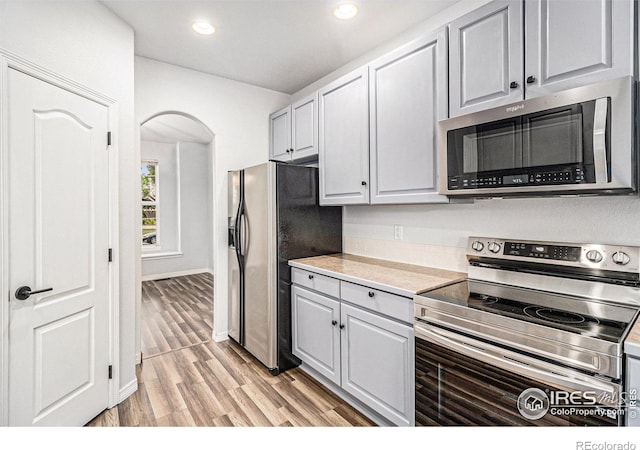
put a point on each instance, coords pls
(454, 389)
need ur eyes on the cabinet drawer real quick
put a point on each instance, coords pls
(395, 306)
(320, 283)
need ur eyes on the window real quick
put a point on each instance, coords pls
(149, 184)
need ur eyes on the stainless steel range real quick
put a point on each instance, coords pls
(534, 337)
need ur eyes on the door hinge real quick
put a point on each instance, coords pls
(110, 372)
(108, 138)
(110, 255)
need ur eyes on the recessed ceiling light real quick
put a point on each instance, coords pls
(202, 27)
(345, 11)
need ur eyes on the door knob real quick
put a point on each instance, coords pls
(24, 292)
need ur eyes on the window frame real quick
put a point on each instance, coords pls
(155, 203)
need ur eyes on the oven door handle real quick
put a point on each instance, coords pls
(520, 364)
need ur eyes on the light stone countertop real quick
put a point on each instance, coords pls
(632, 343)
(396, 278)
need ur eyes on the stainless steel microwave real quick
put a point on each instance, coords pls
(577, 141)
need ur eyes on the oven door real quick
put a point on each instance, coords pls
(462, 381)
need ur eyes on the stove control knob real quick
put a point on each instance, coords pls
(621, 258)
(494, 247)
(477, 246)
(594, 256)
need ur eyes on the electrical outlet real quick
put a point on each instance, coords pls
(397, 232)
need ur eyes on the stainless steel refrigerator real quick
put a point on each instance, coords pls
(274, 216)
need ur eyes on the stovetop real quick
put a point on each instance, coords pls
(581, 316)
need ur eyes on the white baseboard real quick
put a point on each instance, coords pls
(127, 390)
(159, 276)
(219, 337)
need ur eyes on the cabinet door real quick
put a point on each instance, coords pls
(280, 135)
(407, 97)
(486, 57)
(344, 140)
(304, 128)
(316, 336)
(571, 44)
(378, 363)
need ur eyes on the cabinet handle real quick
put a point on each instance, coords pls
(364, 183)
(342, 326)
(288, 150)
(334, 322)
(371, 294)
(514, 85)
(291, 150)
(311, 277)
(531, 79)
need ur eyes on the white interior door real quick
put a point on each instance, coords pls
(59, 237)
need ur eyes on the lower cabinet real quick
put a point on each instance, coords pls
(316, 335)
(369, 356)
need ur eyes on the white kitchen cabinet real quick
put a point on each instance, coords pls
(377, 363)
(344, 140)
(407, 97)
(294, 131)
(359, 343)
(564, 44)
(304, 128)
(280, 135)
(570, 44)
(316, 335)
(485, 57)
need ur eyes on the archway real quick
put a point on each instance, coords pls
(176, 233)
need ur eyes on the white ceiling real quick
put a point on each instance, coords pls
(282, 45)
(172, 128)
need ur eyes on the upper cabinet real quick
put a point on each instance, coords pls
(280, 134)
(493, 61)
(407, 96)
(294, 131)
(485, 58)
(378, 128)
(344, 140)
(571, 44)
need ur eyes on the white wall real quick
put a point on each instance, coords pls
(236, 113)
(184, 225)
(85, 42)
(436, 235)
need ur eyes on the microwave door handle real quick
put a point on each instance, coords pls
(483, 352)
(599, 141)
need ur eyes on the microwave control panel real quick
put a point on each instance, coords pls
(566, 175)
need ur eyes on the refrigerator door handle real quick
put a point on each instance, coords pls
(244, 230)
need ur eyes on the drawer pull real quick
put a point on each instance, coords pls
(342, 326)
(311, 277)
(371, 294)
(334, 322)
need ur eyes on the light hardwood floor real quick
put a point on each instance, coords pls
(186, 379)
